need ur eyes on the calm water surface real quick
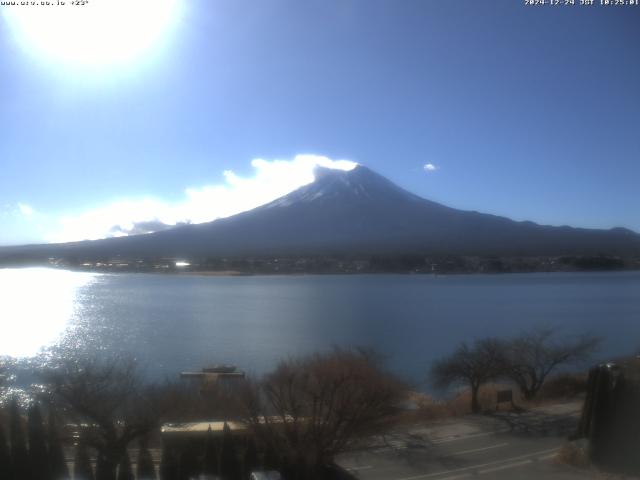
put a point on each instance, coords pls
(173, 323)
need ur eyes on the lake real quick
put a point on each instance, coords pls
(183, 322)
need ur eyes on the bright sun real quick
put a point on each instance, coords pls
(95, 33)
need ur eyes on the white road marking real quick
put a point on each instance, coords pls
(548, 457)
(363, 467)
(472, 435)
(489, 464)
(400, 444)
(476, 450)
(505, 467)
(456, 477)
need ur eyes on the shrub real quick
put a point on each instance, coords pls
(82, 464)
(38, 452)
(19, 453)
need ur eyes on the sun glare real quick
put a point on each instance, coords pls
(30, 325)
(95, 33)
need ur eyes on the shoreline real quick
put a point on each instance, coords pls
(208, 273)
(397, 264)
(238, 273)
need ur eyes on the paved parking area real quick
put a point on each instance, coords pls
(500, 446)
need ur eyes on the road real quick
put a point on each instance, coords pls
(508, 446)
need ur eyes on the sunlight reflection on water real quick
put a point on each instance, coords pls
(174, 323)
(37, 306)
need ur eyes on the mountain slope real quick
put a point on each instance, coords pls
(355, 212)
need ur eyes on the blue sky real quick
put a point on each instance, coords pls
(528, 112)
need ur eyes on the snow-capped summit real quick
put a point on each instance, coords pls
(358, 185)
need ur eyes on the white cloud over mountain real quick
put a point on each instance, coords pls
(25, 210)
(272, 179)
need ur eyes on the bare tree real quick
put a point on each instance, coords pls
(471, 365)
(112, 401)
(532, 356)
(311, 408)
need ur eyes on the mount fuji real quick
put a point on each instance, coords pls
(356, 212)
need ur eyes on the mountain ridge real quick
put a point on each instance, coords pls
(346, 213)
